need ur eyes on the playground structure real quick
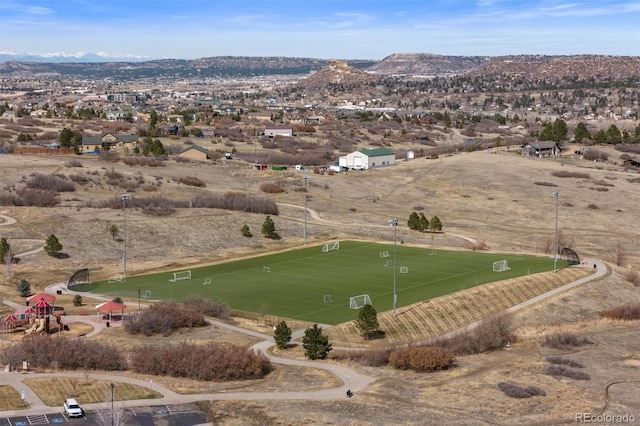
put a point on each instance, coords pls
(36, 319)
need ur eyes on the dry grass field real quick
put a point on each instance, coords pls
(498, 201)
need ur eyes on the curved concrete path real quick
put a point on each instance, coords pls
(350, 378)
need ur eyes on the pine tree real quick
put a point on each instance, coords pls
(77, 300)
(5, 248)
(24, 288)
(367, 322)
(414, 221)
(435, 225)
(423, 224)
(52, 246)
(246, 232)
(282, 335)
(269, 229)
(315, 343)
(113, 230)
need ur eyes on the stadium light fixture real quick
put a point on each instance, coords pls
(556, 195)
(125, 197)
(306, 181)
(394, 223)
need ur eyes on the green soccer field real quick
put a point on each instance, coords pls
(298, 284)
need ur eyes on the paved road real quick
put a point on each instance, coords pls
(350, 378)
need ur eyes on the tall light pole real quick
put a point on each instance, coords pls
(306, 180)
(138, 299)
(394, 223)
(556, 195)
(112, 413)
(125, 197)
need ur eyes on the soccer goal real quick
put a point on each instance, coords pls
(404, 270)
(432, 253)
(117, 278)
(147, 294)
(357, 302)
(388, 263)
(181, 275)
(207, 281)
(500, 266)
(266, 269)
(331, 246)
(384, 254)
(327, 298)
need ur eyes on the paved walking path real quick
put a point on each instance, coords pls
(350, 378)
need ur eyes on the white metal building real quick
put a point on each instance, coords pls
(368, 159)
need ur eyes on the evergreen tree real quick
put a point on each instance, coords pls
(246, 232)
(367, 322)
(24, 288)
(414, 221)
(113, 230)
(435, 225)
(580, 132)
(315, 343)
(282, 335)
(77, 300)
(613, 135)
(269, 229)
(52, 246)
(423, 224)
(5, 248)
(117, 299)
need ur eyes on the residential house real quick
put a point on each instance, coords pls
(541, 149)
(273, 131)
(194, 152)
(110, 142)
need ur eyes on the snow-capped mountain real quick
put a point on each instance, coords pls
(60, 57)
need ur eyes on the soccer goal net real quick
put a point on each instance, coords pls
(384, 254)
(357, 302)
(500, 266)
(181, 275)
(331, 246)
(117, 278)
(404, 269)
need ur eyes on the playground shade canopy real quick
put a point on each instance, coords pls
(41, 296)
(110, 307)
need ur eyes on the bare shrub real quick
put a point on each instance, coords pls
(633, 277)
(564, 361)
(492, 333)
(592, 154)
(131, 160)
(109, 157)
(544, 184)
(628, 312)
(208, 307)
(158, 211)
(36, 198)
(163, 317)
(570, 174)
(593, 206)
(271, 188)
(422, 358)
(50, 183)
(192, 181)
(513, 390)
(63, 353)
(560, 370)
(81, 179)
(564, 340)
(73, 163)
(207, 362)
(376, 357)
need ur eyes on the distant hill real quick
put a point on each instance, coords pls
(337, 73)
(54, 58)
(403, 65)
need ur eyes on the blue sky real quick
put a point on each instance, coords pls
(341, 29)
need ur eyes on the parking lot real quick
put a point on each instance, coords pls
(170, 415)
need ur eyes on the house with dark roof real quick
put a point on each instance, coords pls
(541, 149)
(109, 142)
(368, 159)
